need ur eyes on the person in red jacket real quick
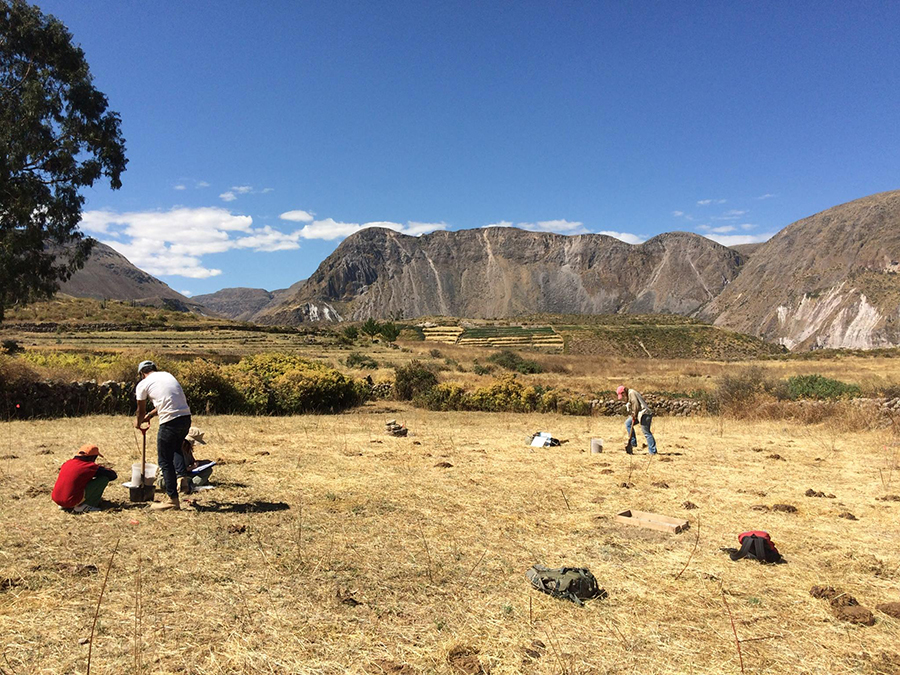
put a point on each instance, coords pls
(81, 481)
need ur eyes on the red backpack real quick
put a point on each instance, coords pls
(757, 545)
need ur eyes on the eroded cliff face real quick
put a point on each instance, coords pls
(500, 272)
(829, 281)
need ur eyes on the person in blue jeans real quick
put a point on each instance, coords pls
(638, 413)
(170, 404)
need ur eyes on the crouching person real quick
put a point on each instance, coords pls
(189, 472)
(81, 481)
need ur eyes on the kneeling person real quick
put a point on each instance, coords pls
(191, 478)
(81, 481)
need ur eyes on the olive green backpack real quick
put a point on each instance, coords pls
(567, 583)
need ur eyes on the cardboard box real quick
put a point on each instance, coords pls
(652, 521)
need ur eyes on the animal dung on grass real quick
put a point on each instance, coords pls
(652, 521)
(843, 605)
(661, 484)
(784, 508)
(890, 608)
(814, 493)
(847, 515)
(443, 465)
(775, 455)
(689, 506)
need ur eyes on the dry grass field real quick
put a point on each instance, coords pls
(329, 547)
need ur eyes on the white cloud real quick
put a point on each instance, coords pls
(707, 202)
(330, 229)
(415, 229)
(297, 216)
(557, 226)
(227, 197)
(186, 294)
(201, 184)
(266, 191)
(173, 242)
(678, 214)
(747, 226)
(768, 195)
(180, 187)
(627, 237)
(723, 229)
(242, 189)
(735, 239)
(735, 212)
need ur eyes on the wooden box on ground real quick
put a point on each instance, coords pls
(652, 521)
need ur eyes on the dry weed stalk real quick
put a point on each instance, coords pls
(737, 641)
(693, 550)
(97, 611)
(138, 619)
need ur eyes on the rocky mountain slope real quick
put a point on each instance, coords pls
(108, 275)
(243, 304)
(500, 272)
(830, 280)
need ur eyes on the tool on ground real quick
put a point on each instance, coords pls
(141, 487)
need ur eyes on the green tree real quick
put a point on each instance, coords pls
(370, 327)
(57, 136)
(389, 331)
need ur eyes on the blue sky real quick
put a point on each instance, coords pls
(730, 119)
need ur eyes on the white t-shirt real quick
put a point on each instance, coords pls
(166, 394)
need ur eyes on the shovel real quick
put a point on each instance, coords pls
(142, 492)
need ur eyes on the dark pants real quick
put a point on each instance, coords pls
(169, 439)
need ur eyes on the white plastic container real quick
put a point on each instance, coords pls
(149, 474)
(596, 446)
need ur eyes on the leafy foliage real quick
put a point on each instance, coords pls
(413, 380)
(389, 331)
(57, 136)
(351, 332)
(357, 360)
(513, 361)
(370, 327)
(819, 387)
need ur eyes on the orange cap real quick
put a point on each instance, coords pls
(88, 450)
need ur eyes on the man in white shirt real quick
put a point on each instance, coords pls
(170, 404)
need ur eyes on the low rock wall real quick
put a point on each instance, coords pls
(29, 400)
(661, 407)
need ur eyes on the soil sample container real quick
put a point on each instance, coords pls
(596, 446)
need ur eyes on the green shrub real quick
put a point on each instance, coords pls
(370, 327)
(10, 347)
(819, 387)
(436, 354)
(314, 389)
(209, 389)
(413, 379)
(480, 369)
(513, 361)
(363, 361)
(389, 331)
(444, 397)
(351, 332)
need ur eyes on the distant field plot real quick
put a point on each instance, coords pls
(511, 337)
(328, 547)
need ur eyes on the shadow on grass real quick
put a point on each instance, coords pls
(241, 507)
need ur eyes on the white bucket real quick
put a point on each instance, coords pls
(596, 446)
(149, 474)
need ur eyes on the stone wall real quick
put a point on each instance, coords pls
(29, 400)
(661, 407)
